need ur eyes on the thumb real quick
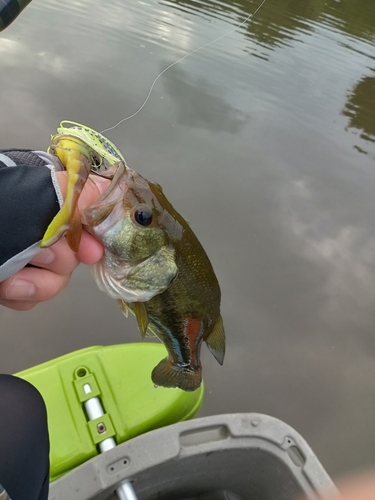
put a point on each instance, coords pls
(93, 188)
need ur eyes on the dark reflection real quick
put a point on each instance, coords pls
(273, 25)
(279, 22)
(354, 18)
(360, 108)
(199, 103)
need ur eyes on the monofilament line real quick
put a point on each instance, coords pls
(181, 59)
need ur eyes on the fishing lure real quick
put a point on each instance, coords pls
(81, 150)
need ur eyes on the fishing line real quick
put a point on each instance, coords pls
(180, 60)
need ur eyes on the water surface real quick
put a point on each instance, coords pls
(265, 141)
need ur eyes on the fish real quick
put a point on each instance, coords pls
(153, 263)
(156, 268)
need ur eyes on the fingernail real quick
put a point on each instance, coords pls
(20, 290)
(46, 256)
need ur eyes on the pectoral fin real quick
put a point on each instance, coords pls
(124, 307)
(216, 341)
(141, 315)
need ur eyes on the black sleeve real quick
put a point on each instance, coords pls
(9, 10)
(29, 199)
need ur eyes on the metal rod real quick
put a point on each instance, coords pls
(94, 410)
(126, 491)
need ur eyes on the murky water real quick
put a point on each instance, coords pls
(265, 141)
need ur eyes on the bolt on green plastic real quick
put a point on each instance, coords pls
(97, 436)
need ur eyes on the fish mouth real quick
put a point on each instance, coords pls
(110, 203)
(107, 209)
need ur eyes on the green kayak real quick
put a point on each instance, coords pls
(119, 377)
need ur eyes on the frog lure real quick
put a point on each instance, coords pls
(153, 263)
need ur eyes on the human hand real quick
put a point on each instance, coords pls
(361, 487)
(54, 265)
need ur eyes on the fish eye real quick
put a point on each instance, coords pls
(143, 216)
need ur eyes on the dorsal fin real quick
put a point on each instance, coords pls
(216, 340)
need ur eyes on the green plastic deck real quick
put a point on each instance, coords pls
(120, 375)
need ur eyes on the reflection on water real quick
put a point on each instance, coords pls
(360, 108)
(256, 140)
(353, 18)
(199, 104)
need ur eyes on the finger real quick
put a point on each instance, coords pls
(58, 258)
(30, 286)
(90, 250)
(18, 305)
(94, 187)
(361, 487)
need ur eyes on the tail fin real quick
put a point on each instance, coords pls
(166, 374)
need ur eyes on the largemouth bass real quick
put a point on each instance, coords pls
(155, 267)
